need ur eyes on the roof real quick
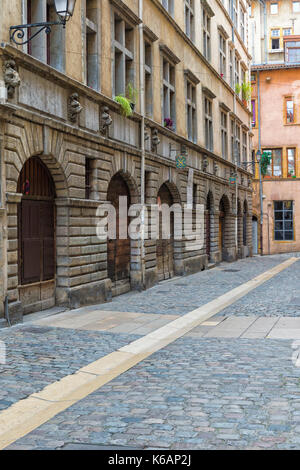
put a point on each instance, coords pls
(275, 66)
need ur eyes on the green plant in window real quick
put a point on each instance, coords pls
(125, 105)
(238, 88)
(266, 159)
(246, 90)
(132, 93)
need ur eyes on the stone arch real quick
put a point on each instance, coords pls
(245, 223)
(127, 275)
(224, 226)
(131, 183)
(209, 223)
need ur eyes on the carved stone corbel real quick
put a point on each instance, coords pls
(155, 141)
(74, 107)
(204, 164)
(216, 168)
(106, 120)
(11, 77)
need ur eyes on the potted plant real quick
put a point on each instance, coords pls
(290, 174)
(238, 88)
(246, 92)
(124, 102)
(132, 95)
(168, 123)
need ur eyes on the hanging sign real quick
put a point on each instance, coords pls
(181, 161)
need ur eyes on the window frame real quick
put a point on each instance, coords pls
(191, 110)
(208, 123)
(294, 161)
(284, 220)
(271, 166)
(169, 90)
(286, 100)
(206, 34)
(189, 17)
(224, 133)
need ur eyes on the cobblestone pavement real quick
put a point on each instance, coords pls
(278, 296)
(38, 356)
(200, 394)
(190, 292)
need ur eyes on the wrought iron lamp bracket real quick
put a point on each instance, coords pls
(19, 30)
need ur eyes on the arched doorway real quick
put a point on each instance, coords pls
(223, 211)
(208, 221)
(254, 235)
(36, 227)
(118, 249)
(245, 216)
(239, 229)
(165, 246)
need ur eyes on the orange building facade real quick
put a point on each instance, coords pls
(276, 129)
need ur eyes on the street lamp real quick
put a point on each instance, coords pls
(258, 158)
(64, 10)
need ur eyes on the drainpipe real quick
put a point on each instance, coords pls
(235, 145)
(263, 3)
(142, 111)
(259, 164)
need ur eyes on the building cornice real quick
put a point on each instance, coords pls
(126, 11)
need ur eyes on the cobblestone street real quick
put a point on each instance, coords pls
(229, 383)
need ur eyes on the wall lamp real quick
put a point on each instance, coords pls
(64, 10)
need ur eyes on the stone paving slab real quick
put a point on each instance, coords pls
(204, 393)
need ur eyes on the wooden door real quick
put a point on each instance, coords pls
(208, 222)
(118, 250)
(36, 216)
(221, 231)
(165, 246)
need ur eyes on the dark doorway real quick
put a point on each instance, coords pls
(208, 225)
(165, 246)
(222, 220)
(36, 223)
(118, 250)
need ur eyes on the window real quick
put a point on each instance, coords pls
(235, 13)
(291, 162)
(195, 195)
(275, 44)
(232, 138)
(253, 110)
(169, 110)
(287, 31)
(242, 23)
(191, 111)
(236, 70)
(224, 135)
(169, 6)
(275, 167)
(208, 123)
(48, 48)
(148, 79)
(123, 54)
(88, 177)
(275, 33)
(238, 144)
(283, 221)
(289, 108)
(292, 51)
(245, 147)
(206, 35)
(274, 8)
(231, 67)
(189, 18)
(296, 7)
(222, 55)
(253, 77)
(91, 28)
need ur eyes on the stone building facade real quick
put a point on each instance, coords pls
(66, 147)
